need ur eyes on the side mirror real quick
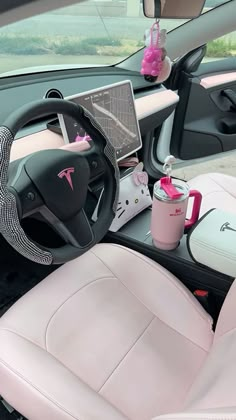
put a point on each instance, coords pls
(173, 9)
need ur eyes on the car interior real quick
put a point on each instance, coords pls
(117, 285)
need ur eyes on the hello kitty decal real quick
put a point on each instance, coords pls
(134, 197)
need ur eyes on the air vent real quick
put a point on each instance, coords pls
(53, 93)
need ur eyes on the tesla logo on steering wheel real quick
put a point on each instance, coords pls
(67, 173)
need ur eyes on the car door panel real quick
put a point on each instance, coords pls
(209, 121)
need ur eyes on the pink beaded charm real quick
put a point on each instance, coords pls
(152, 60)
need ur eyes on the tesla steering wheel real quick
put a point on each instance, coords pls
(55, 183)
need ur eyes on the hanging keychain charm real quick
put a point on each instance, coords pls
(152, 60)
(166, 182)
(167, 167)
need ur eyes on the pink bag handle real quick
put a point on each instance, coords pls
(196, 208)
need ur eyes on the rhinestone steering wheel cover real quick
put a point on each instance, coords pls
(10, 226)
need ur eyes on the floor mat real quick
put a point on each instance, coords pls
(5, 415)
(17, 276)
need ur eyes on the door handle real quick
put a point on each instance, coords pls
(231, 96)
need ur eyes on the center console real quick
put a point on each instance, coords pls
(136, 235)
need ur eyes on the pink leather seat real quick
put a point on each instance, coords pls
(114, 336)
(218, 191)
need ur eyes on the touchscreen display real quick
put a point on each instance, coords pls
(113, 107)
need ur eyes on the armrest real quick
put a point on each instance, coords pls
(231, 96)
(212, 242)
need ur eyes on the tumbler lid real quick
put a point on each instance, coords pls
(166, 190)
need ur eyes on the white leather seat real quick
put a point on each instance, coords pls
(114, 336)
(218, 191)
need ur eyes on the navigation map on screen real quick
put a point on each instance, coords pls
(113, 107)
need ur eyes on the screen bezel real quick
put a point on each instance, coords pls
(92, 91)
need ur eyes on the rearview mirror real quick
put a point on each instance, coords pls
(173, 9)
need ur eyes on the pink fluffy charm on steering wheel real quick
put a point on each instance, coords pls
(152, 60)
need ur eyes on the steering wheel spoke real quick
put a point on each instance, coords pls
(80, 229)
(76, 231)
(28, 199)
(31, 202)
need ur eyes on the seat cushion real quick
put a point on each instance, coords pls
(218, 191)
(111, 335)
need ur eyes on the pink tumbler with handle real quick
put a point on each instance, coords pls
(170, 202)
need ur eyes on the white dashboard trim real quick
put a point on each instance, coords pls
(43, 140)
(217, 80)
(156, 102)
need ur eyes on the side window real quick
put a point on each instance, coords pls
(221, 48)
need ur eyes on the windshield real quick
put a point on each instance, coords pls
(91, 33)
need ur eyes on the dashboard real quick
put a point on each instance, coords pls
(147, 108)
(153, 103)
(16, 91)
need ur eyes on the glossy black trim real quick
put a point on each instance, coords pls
(215, 67)
(193, 275)
(5, 6)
